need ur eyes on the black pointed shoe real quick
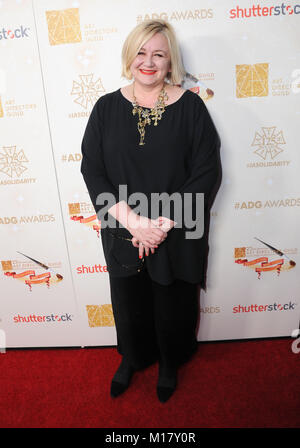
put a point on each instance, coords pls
(167, 382)
(117, 389)
(121, 379)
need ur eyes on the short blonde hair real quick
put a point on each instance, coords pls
(141, 34)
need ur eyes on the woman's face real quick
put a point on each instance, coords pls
(153, 62)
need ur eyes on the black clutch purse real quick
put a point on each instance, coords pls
(121, 256)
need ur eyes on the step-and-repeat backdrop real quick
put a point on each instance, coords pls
(57, 57)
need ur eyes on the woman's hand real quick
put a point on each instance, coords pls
(146, 231)
(142, 248)
(162, 223)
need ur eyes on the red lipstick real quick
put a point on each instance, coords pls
(148, 72)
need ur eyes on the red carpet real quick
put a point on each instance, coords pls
(248, 384)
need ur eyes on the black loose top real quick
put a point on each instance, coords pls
(180, 154)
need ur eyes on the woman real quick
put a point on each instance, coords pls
(151, 136)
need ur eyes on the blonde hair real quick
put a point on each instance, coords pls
(141, 34)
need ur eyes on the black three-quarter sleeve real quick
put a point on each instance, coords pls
(92, 164)
(205, 162)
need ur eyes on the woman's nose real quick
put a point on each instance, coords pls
(149, 60)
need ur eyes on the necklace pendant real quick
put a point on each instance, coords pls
(145, 115)
(155, 120)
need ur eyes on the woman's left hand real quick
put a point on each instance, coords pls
(163, 223)
(141, 247)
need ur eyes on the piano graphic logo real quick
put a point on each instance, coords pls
(190, 82)
(263, 260)
(84, 213)
(27, 272)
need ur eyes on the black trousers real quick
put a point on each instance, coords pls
(154, 322)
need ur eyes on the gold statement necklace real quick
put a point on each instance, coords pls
(146, 115)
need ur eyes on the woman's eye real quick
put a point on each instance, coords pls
(160, 55)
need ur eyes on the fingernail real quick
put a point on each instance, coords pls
(140, 256)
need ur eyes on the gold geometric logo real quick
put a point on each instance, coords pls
(87, 91)
(6, 265)
(74, 208)
(239, 252)
(100, 315)
(252, 80)
(12, 161)
(268, 142)
(63, 26)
